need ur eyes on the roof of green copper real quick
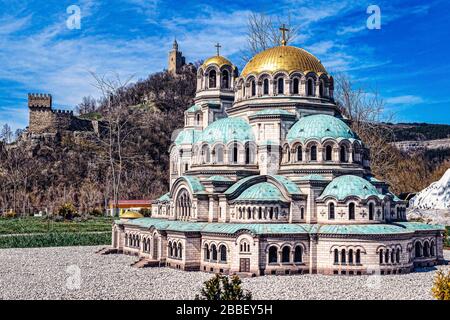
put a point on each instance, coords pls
(165, 197)
(226, 130)
(235, 186)
(188, 136)
(219, 178)
(280, 228)
(194, 183)
(419, 226)
(194, 108)
(263, 191)
(312, 177)
(319, 127)
(273, 111)
(290, 186)
(349, 185)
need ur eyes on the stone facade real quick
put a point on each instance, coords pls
(267, 177)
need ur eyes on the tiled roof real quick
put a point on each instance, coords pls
(347, 186)
(263, 191)
(188, 136)
(226, 130)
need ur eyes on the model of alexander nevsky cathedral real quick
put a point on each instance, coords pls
(267, 177)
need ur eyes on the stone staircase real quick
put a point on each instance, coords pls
(145, 263)
(107, 250)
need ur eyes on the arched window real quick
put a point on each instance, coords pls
(358, 256)
(207, 257)
(225, 79)
(214, 252)
(212, 79)
(260, 213)
(223, 253)
(235, 153)
(343, 154)
(371, 211)
(296, 86)
(219, 154)
(180, 251)
(426, 249)
(266, 86)
(343, 256)
(350, 256)
(397, 256)
(313, 155)
(206, 157)
(298, 256)
(351, 211)
(280, 86)
(286, 254)
(197, 119)
(321, 88)
(299, 153)
(302, 213)
(331, 211)
(418, 249)
(386, 256)
(328, 153)
(432, 249)
(381, 256)
(393, 256)
(175, 250)
(336, 256)
(253, 88)
(310, 87)
(245, 247)
(273, 252)
(247, 154)
(170, 249)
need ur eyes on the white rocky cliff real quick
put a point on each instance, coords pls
(434, 197)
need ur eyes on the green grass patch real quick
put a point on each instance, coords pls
(41, 225)
(55, 240)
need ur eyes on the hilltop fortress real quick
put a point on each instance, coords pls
(43, 119)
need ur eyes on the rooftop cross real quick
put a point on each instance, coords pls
(218, 46)
(283, 30)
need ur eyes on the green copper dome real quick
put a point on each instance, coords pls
(194, 108)
(347, 186)
(188, 136)
(226, 130)
(319, 127)
(263, 191)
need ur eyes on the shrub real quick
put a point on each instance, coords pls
(146, 212)
(441, 286)
(67, 211)
(223, 288)
(10, 214)
(97, 212)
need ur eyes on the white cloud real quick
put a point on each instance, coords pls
(405, 100)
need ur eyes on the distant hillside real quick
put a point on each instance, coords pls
(418, 131)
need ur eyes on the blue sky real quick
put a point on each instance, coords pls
(406, 61)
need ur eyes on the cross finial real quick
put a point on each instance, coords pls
(283, 30)
(218, 46)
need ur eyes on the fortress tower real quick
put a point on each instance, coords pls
(176, 59)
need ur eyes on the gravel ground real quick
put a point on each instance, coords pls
(79, 273)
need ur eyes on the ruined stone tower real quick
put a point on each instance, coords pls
(176, 59)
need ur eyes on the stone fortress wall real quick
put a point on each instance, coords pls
(44, 119)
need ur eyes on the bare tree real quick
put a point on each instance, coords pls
(263, 32)
(6, 134)
(87, 105)
(116, 113)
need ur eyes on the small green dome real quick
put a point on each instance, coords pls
(219, 178)
(188, 136)
(165, 197)
(319, 127)
(194, 108)
(263, 191)
(226, 130)
(347, 186)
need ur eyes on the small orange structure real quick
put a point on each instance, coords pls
(128, 205)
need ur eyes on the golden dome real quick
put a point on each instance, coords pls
(130, 215)
(283, 58)
(219, 60)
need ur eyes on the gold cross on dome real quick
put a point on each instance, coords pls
(218, 46)
(283, 30)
